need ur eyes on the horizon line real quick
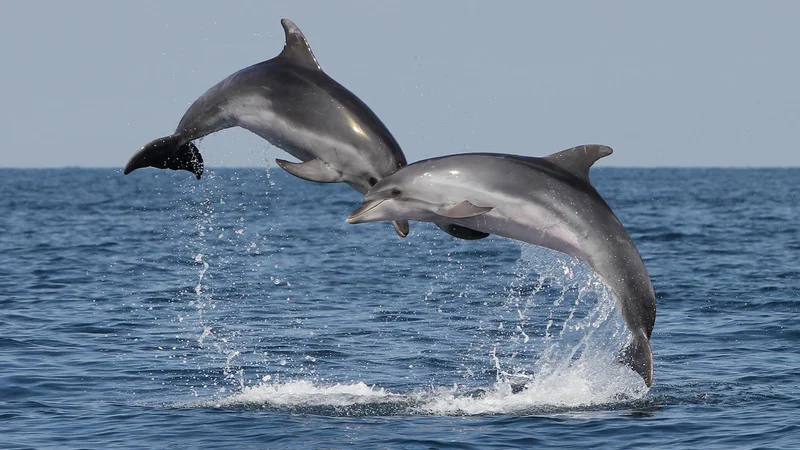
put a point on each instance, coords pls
(276, 167)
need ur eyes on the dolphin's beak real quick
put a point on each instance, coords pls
(359, 215)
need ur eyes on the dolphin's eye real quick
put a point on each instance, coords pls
(396, 192)
(372, 181)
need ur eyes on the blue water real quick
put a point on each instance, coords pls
(241, 311)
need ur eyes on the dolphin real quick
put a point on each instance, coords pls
(289, 101)
(546, 201)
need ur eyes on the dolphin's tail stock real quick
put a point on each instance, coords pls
(639, 356)
(168, 152)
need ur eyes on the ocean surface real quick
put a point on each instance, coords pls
(241, 311)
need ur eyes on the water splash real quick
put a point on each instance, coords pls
(566, 334)
(207, 326)
(553, 350)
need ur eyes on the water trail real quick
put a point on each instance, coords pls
(222, 233)
(205, 325)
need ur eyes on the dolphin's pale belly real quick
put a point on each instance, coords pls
(297, 140)
(257, 116)
(616, 261)
(604, 245)
(530, 223)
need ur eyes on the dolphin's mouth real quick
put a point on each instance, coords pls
(357, 215)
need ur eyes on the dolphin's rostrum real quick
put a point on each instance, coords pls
(289, 101)
(544, 201)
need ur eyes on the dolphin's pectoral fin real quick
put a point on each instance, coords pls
(168, 153)
(578, 160)
(296, 48)
(639, 356)
(401, 227)
(462, 210)
(312, 170)
(461, 232)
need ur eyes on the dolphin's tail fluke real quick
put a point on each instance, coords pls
(639, 356)
(168, 153)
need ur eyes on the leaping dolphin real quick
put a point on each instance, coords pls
(544, 201)
(289, 101)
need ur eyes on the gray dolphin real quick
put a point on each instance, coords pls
(544, 201)
(289, 101)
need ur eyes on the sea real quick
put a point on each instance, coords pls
(240, 311)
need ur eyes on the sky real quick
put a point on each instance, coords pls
(684, 83)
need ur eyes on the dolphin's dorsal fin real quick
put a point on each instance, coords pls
(578, 160)
(296, 48)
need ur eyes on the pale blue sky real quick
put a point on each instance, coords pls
(711, 83)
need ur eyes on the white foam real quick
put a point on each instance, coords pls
(305, 393)
(581, 385)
